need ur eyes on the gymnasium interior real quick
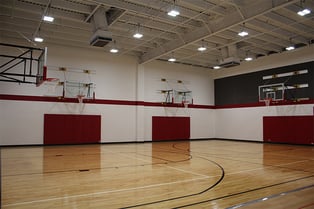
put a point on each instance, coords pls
(157, 104)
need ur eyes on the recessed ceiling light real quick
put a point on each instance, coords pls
(248, 59)
(48, 18)
(304, 12)
(38, 39)
(243, 33)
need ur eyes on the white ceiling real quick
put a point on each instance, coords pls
(272, 25)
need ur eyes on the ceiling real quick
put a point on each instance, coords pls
(272, 26)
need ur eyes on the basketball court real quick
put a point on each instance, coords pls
(196, 174)
(133, 104)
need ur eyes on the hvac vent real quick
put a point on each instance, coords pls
(230, 62)
(101, 38)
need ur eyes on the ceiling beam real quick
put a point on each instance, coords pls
(147, 11)
(250, 11)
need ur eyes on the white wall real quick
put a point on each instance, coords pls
(117, 78)
(121, 78)
(247, 123)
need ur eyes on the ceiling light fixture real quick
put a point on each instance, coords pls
(173, 12)
(243, 32)
(137, 34)
(248, 57)
(202, 47)
(216, 67)
(304, 12)
(38, 39)
(114, 48)
(289, 48)
(48, 18)
(172, 59)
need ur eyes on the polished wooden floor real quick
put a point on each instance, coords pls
(198, 174)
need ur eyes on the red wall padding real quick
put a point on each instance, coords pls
(71, 129)
(170, 128)
(289, 129)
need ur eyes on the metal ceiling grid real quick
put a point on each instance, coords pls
(272, 25)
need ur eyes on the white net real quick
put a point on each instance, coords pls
(267, 102)
(80, 98)
(186, 104)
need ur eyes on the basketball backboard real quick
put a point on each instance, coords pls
(22, 64)
(273, 92)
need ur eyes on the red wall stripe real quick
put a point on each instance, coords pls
(97, 101)
(142, 103)
(170, 128)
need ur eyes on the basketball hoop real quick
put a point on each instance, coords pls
(267, 102)
(80, 98)
(186, 104)
(51, 80)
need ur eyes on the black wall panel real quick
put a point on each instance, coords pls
(242, 89)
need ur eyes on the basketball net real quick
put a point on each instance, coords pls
(80, 98)
(51, 85)
(267, 102)
(186, 104)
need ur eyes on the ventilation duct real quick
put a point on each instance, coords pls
(230, 54)
(101, 36)
(229, 62)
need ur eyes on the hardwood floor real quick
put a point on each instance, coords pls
(196, 174)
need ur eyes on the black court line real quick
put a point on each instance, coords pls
(268, 165)
(189, 195)
(243, 192)
(226, 196)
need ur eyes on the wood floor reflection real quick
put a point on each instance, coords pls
(183, 174)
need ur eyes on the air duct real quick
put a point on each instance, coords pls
(101, 36)
(230, 57)
(229, 62)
